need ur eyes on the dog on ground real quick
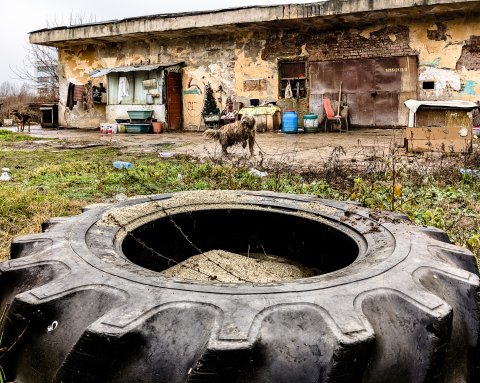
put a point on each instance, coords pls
(23, 118)
(238, 132)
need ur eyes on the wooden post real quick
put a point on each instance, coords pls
(340, 98)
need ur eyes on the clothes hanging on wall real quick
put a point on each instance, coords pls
(123, 89)
(88, 96)
(288, 90)
(161, 86)
(476, 116)
(70, 96)
(78, 93)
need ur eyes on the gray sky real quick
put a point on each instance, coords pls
(23, 16)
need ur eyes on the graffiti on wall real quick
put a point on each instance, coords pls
(193, 102)
(469, 88)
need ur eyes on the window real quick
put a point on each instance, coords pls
(44, 80)
(428, 85)
(295, 73)
(44, 69)
(137, 94)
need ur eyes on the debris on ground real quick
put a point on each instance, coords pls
(257, 173)
(470, 172)
(166, 154)
(5, 175)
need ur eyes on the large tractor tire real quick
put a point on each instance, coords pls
(86, 300)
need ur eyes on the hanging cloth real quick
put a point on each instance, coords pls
(476, 116)
(123, 89)
(78, 93)
(288, 90)
(88, 96)
(70, 96)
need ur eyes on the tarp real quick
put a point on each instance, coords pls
(414, 105)
(131, 68)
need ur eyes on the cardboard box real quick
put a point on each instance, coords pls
(440, 130)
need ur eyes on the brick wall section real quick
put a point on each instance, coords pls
(470, 58)
(340, 45)
(438, 34)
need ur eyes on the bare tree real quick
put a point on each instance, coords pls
(40, 68)
(8, 89)
(71, 20)
(17, 97)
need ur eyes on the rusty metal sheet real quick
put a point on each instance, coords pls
(321, 77)
(361, 109)
(373, 88)
(386, 108)
(388, 75)
(358, 76)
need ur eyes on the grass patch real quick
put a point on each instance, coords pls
(57, 183)
(9, 136)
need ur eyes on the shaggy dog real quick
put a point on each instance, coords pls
(238, 132)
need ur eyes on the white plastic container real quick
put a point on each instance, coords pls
(5, 175)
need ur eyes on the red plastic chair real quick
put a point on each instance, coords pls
(331, 117)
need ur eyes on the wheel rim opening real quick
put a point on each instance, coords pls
(239, 245)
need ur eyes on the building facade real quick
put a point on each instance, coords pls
(378, 53)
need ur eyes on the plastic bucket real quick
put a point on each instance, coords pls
(290, 122)
(310, 123)
(157, 127)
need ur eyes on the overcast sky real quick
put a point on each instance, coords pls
(22, 16)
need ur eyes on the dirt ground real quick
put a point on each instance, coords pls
(300, 149)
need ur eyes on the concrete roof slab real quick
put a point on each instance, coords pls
(318, 14)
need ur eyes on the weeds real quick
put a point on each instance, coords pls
(431, 191)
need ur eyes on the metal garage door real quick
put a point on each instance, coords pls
(374, 89)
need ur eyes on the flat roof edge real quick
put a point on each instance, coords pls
(165, 23)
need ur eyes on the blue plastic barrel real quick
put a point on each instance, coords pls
(290, 122)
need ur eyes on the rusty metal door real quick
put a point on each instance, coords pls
(174, 100)
(373, 89)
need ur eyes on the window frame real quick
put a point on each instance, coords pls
(282, 80)
(134, 98)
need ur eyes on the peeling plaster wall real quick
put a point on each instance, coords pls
(447, 52)
(75, 64)
(449, 56)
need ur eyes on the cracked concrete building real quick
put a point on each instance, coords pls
(383, 52)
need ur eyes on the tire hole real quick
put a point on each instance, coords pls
(239, 242)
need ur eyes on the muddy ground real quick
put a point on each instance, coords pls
(299, 149)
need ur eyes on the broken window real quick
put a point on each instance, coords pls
(135, 92)
(293, 73)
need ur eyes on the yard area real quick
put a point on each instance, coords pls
(57, 172)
